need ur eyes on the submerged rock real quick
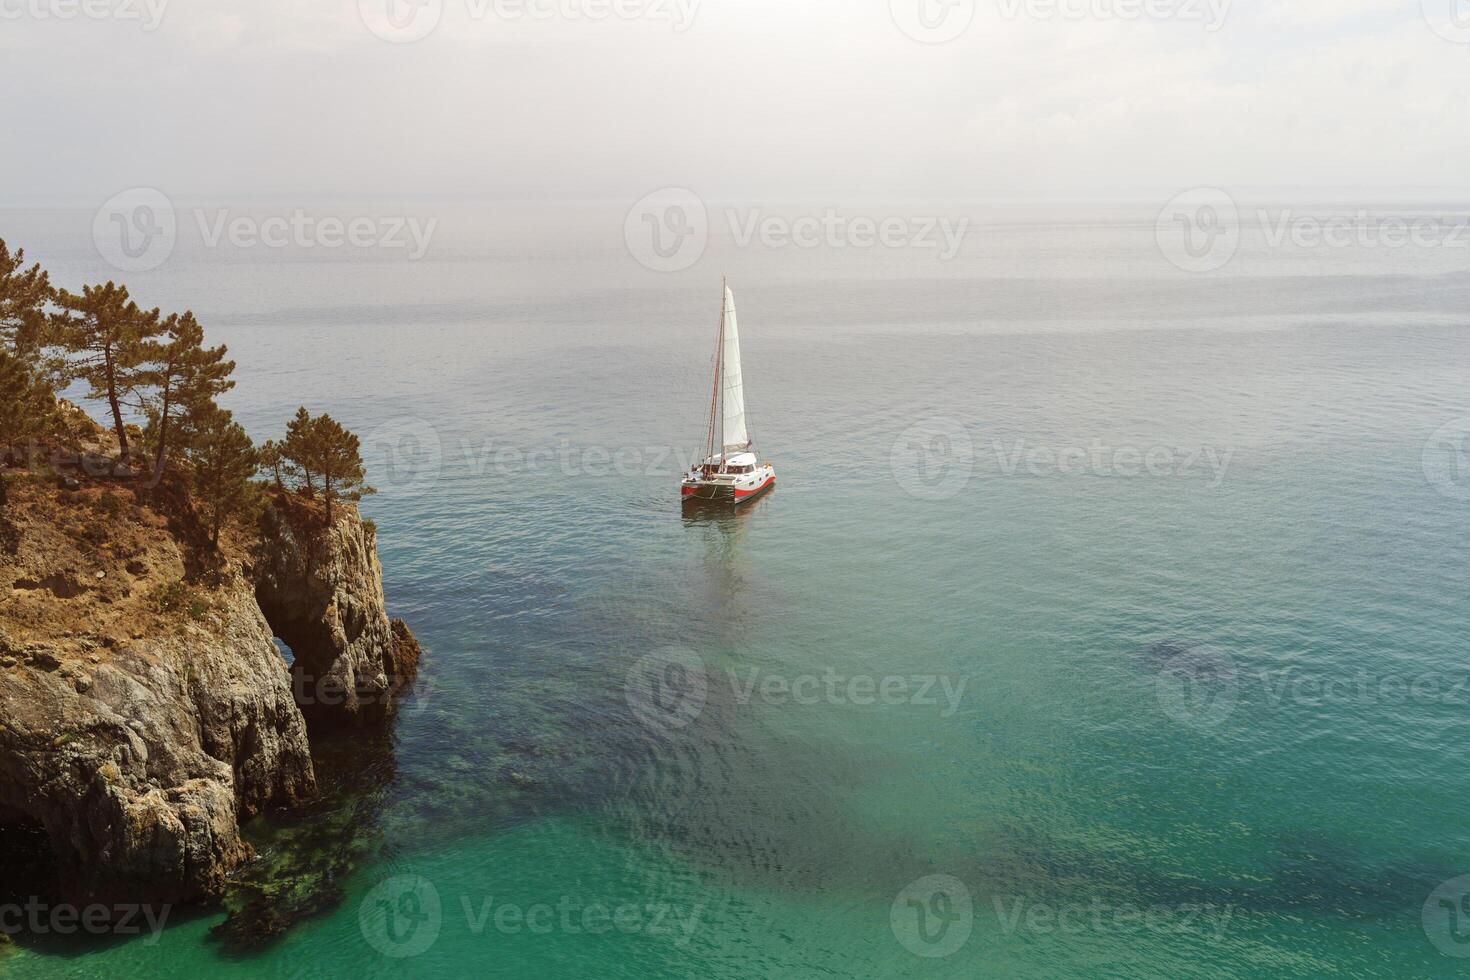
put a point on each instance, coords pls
(306, 855)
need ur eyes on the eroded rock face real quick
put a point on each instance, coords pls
(140, 760)
(142, 715)
(145, 711)
(321, 588)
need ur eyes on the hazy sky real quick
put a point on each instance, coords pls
(739, 99)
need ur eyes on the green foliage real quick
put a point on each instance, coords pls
(299, 449)
(325, 455)
(180, 598)
(27, 403)
(223, 463)
(173, 598)
(155, 367)
(24, 294)
(273, 462)
(177, 376)
(105, 337)
(9, 533)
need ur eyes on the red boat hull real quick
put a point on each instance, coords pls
(729, 495)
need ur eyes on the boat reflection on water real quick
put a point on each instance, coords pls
(721, 514)
(726, 554)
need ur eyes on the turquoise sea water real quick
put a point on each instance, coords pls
(1107, 620)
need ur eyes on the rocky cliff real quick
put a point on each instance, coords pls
(321, 588)
(145, 710)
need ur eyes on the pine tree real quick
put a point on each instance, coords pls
(339, 457)
(223, 462)
(103, 333)
(299, 449)
(178, 376)
(324, 452)
(24, 294)
(274, 461)
(27, 403)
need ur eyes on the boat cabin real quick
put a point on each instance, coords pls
(736, 464)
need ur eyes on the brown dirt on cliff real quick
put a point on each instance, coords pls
(94, 565)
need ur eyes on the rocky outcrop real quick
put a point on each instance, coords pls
(140, 721)
(321, 588)
(145, 710)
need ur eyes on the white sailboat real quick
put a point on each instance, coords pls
(731, 471)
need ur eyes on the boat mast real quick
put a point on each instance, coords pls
(714, 402)
(720, 373)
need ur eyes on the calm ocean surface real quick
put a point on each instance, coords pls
(1129, 601)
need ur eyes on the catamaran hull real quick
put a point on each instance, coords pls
(726, 493)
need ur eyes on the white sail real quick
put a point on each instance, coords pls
(736, 435)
